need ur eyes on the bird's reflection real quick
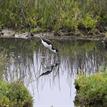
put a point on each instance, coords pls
(47, 72)
(50, 67)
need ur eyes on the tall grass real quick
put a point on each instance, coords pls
(52, 14)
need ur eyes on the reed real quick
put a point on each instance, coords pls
(52, 14)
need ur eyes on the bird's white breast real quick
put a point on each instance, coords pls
(46, 45)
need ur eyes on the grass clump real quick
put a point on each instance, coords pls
(89, 22)
(14, 95)
(92, 90)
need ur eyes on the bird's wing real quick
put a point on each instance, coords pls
(46, 40)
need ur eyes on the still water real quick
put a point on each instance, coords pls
(50, 77)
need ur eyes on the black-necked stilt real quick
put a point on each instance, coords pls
(48, 45)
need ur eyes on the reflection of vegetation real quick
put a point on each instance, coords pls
(2, 64)
(83, 56)
(18, 46)
(92, 90)
(14, 95)
(69, 48)
(53, 14)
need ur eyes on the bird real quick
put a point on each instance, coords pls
(46, 43)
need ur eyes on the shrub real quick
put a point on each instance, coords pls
(14, 95)
(92, 90)
(89, 22)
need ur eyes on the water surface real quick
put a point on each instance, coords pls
(28, 59)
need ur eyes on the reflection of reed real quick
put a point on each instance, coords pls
(85, 62)
(3, 60)
(22, 67)
(30, 66)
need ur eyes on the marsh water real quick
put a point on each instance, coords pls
(50, 77)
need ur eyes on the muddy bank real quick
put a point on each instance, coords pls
(7, 33)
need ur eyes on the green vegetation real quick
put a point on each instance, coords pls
(42, 15)
(92, 90)
(14, 95)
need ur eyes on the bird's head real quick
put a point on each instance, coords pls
(54, 50)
